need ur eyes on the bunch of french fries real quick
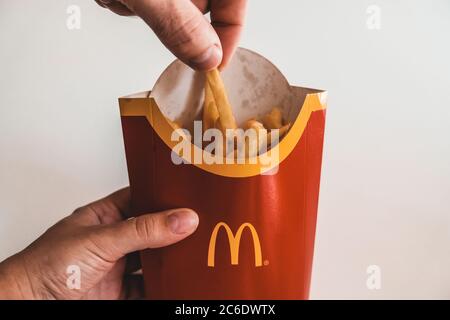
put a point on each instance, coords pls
(218, 114)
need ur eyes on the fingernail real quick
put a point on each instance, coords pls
(182, 221)
(208, 59)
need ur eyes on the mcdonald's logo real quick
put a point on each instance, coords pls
(234, 241)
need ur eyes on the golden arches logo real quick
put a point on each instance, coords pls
(234, 241)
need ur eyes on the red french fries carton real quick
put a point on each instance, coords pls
(255, 239)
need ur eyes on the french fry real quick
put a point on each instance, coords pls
(226, 143)
(253, 124)
(210, 113)
(260, 139)
(226, 118)
(257, 126)
(274, 119)
(282, 132)
(284, 129)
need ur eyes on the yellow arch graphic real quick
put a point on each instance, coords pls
(234, 241)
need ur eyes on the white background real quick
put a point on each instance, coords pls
(385, 197)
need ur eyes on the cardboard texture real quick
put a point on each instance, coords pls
(257, 225)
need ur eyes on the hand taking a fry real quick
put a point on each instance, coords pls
(98, 238)
(182, 28)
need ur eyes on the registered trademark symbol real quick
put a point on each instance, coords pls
(266, 262)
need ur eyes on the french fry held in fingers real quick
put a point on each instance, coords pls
(217, 114)
(274, 119)
(226, 118)
(210, 113)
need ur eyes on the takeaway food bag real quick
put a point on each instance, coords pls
(257, 225)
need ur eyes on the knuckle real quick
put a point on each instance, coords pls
(146, 227)
(180, 32)
(79, 211)
(186, 34)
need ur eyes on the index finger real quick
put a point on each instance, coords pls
(227, 18)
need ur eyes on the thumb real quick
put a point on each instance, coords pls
(183, 29)
(147, 231)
